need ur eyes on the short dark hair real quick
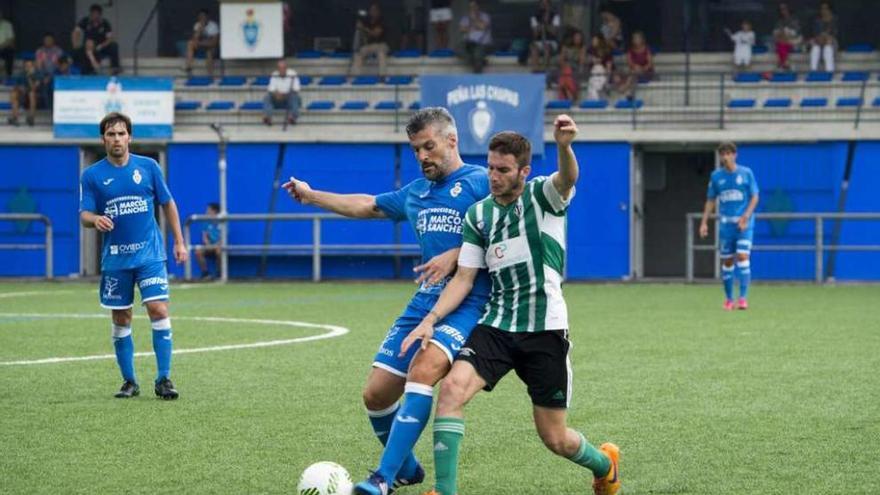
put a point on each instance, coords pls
(726, 146)
(214, 206)
(114, 118)
(96, 8)
(512, 143)
(437, 116)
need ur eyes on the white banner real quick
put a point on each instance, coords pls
(251, 30)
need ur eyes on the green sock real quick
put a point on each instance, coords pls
(448, 433)
(590, 457)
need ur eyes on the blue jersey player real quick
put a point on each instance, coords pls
(117, 195)
(435, 207)
(735, 189)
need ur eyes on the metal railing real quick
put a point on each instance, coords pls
(819, 247)
(47, 244)
(315, 249)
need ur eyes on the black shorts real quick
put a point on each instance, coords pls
(540, 360)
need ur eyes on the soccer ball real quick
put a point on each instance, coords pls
(324, 478)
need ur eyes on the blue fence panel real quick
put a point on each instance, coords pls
(862, 197)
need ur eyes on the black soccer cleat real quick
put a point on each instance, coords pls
(128, 390)
(165, 389)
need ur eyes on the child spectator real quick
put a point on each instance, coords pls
(743, 40)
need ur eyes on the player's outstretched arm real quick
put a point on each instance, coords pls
(181, 253)
(564, 131)
(451, 297)
(349, 205)
(90, 220)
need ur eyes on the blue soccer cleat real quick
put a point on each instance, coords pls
(374, 485)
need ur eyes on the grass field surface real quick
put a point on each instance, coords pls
(781, 399)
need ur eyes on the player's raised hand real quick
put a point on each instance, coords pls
(564, 130)
(298, 190)
(424, 332)
(704, 230)
(103, 224)
(438, 267)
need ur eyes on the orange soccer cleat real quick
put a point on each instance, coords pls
(610, 483)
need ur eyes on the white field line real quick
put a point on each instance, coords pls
(4, 295)
(334, 331)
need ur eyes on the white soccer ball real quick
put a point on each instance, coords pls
(325, 478)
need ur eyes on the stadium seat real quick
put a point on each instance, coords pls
(26, 55)
(860, 48)
(304, 80)
(442, 53)
(398, 80)
(233, 81)
(321, 105)
(741, 103)
(594, 104)
(309, 54)
(331, 81)
(407, 54)
(777, 103)
(365, 80)
(819, 76)
(849, 101)
(415, 105)
(251, 105)
(9, 81)
(783, 77)
(262, 81)
(5, 105)
(220, 105)
(876, 102)
(506, 53)
(759, 49)
(558, 104)
(855, 76)
(345, 55)
(188, 105)
(355, 105)
(199, 81)
(388, 105)
(628, 103)
(814, 102)
(747, 77)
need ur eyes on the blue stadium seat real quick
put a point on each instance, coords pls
(220, 105)
(309, 54)
(5, 105)
(9, 81)
(849, 101)
(506, 53)
(819, 76)
(345, 55)
(407, 54)
(860, 48)
(628, 103)
(398, 80)
(747, 77)
(777, 103)
(594, 104)
(783, 77)
(354, 105)
(855, 76)
(365, 80)
(199, 81)
(260, 81)
(415, 105)
(331, 81)
(321, 105)
(759, 49)
(233, 81)
(188, 105)
(305, 80)
(876, 102)
(558, 104)
(388, 105)
(814, 102)
(251, 105)
(442, 53)
(741, 103)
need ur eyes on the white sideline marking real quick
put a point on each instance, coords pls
(35, 293)
(334, 331)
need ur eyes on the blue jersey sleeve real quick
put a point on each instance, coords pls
(87, 195)
(393, 203)
(163, 195)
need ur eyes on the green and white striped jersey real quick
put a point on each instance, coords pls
(523, 246)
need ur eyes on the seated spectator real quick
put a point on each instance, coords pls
(283, 93)
(210, 247)
(787, 35)
(48, 55)
(92, 38)
(440, 16)
(824, 41)
(371, 34)
(476, 28)
(743, 40)
(639, 58)
(572, 66)
(64, 68)
(205, 38)
(601, 67)
(611, 29)
(412, 33)
(545, 27)
(7, 44)
(27, 91)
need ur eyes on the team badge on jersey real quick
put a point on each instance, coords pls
(517, 210)
(456, 190)
(739, 180)
(136, 176)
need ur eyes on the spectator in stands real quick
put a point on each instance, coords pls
(743, 41)
(210, 247)
(412, 35)
(545, 27)
(47, 56)
(640, 59)
(26, 91)
(572, 66)
(611, 29)
(476, 28)
(601, 67)
(205, 38)
(824, 41)
(282, 93)
(63, 68)
(787, 34)
(372, 34)
(440, 16)
(94, 34)
(7, 44)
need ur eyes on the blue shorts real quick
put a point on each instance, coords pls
(450, 333)
(731, 240)
(117, 286)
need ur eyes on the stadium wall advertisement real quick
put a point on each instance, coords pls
(81, 103)
(251, 30)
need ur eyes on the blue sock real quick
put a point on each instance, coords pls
(745, 276)
(381, 422)
(408, 425)
(727, 278)
(162, 347)
(124, 346)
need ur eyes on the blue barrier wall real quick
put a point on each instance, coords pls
(40, 179)
(862, 197)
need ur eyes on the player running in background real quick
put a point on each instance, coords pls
(735, 189)
(116, 198)
(435, 207)
(519, 235)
